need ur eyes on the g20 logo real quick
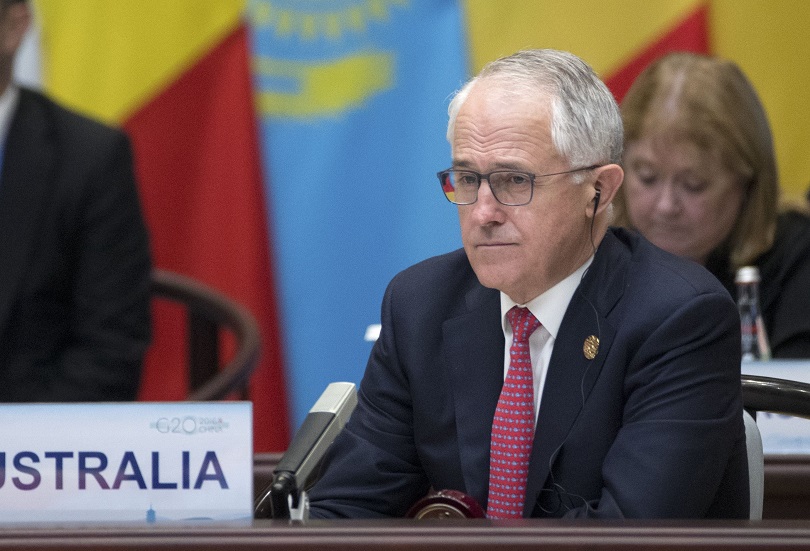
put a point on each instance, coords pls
(189, 425)
(176, 425)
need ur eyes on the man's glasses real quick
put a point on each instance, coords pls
(511, 188)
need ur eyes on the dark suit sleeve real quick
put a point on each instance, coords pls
(372, 468)
(681, 431)
(110, 286)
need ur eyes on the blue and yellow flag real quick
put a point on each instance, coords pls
(353, 100)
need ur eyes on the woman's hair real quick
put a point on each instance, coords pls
(586, 127)
(718, 110)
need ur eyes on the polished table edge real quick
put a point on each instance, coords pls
(410, 534)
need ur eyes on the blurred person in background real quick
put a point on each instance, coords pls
(74, 255)
(701, 182)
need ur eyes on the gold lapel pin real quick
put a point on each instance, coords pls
(591, 347)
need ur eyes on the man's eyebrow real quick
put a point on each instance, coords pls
(461, 163)
(511, 166)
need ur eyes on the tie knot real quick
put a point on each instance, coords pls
(523, 323)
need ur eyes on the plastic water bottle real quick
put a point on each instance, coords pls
(755, 345)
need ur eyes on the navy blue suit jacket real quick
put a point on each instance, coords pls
(650, 428)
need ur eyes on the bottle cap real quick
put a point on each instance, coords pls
(747, 274)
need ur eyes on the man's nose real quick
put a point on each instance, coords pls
(486, 208)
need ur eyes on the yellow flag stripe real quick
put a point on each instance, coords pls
(769, 42)
(606, 33)
(108, 57)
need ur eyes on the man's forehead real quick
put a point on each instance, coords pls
(495, 110)
(494, 95)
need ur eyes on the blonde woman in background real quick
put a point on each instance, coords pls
(701, 182)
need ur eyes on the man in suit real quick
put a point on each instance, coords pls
(74, 257)
(633, 355)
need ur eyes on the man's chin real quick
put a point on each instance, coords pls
(487, 279)
(493, 281)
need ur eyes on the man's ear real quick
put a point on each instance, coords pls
(603, 188)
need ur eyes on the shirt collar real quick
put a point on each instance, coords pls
(549, 308)
(8, 103)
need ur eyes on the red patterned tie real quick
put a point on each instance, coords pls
(513, 425)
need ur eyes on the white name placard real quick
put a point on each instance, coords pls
(782, 434)
(141, 462)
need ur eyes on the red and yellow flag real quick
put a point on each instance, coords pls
(620, 37)
(176, 76)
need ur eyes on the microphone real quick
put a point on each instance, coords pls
(297, 467)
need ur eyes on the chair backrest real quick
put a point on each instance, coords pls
(209, 312)
(775, 396)
(756, 466)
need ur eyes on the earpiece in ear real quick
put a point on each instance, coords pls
(596, 200)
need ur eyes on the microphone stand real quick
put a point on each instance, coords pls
(282, 499)
(285, 497)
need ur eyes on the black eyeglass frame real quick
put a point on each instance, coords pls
(481, 177)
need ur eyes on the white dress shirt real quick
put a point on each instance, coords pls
(549, 308)
(8, 104)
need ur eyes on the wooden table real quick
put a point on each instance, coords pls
(405, 535)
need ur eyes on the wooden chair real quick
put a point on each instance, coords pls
(208, 312)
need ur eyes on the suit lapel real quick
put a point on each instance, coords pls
(473, 350)
(27, 163)
(571, 375)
